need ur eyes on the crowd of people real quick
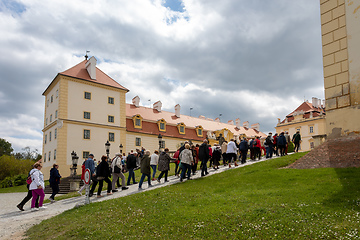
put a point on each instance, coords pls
(186, 160)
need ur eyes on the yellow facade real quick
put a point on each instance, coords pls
(312, 130)
(340, 27)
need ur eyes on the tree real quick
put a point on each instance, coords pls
(28, 154)
(5, 147)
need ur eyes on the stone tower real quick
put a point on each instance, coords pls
(340, 27)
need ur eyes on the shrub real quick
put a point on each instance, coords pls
(290, 147)
(10, 167)
(20, 179)
(7, 182)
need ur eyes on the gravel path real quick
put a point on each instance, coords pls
(14, 223)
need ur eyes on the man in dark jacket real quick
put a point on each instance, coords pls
(54, 181)
(281, 141)
(296, 140)
(243, 147)
(204, 157)
(130, 165)
(89, 164)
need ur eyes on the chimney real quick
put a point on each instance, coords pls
(202, 117)
(246, 124)
(311, 114)
(238, 123)
(136, 101)
(157, 106)
(217, 119)
(314, 102)
(177, 110)
(210, 119)
(231, 122)
(319, 103)
(91, 67)
(255, 126)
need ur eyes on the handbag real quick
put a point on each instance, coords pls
(29, 180)
(116, 168)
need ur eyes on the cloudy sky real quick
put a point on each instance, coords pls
(254, 60)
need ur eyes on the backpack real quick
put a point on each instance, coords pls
(268, 141)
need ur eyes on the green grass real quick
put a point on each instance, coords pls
(260, 201)
(21, 188)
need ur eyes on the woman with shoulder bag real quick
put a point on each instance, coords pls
(103, 174)
(37, 187)
(116, 166)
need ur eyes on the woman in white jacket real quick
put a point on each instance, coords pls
(187, 160)
(37, 186)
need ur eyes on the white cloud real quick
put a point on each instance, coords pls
(250, 59)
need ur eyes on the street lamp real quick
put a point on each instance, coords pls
(160, 140)
(107, 148)
(121, 147)
(74, 159)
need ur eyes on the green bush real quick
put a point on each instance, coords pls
(20, 179)
(290, 147)
(7, 182)
(11, 167)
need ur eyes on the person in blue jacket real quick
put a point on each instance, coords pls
(54, 181)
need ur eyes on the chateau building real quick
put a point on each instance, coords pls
(309, 119)
(85, 108)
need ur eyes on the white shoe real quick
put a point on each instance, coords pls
(42, 207)
(34, 209)
(52, 200)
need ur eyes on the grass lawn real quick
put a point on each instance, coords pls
(260, 201)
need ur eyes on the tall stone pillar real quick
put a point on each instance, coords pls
(340, 27)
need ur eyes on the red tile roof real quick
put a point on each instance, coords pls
(306, 107)
(79, 71)
(152, 115)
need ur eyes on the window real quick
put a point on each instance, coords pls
(312, 145)
(55, 154)
(111, 137)
(137, 141)
(311, 129)
(87, 95)
(181, 128)
(44, 157)
(49, 156)
(46, 121)
(110, 100)
(86, 134)
(56, 113)
(199, 131)
(50, 117)
(49, 136)
(47, 103)
(45, 139)
(161, 125)
(55, 133)
(111, 119)
(137, 120)
(57, 93)
(86, 154)
(52, 98)
(87, 115)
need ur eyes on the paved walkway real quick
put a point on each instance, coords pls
(14, 223)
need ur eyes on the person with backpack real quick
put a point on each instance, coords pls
(116, 167)
(243, 147)
(21, 205)
(296, 140)
(187, 161)
(145, 169)
(269, 145)
(216, 155)
(103, 174)
(90, 164)
(37, 187)
(204, 157)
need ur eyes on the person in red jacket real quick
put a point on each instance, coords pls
(257, 146)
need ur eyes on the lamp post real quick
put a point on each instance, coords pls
(160, 140)
(107, 148)
(74, 159)
(121, 147)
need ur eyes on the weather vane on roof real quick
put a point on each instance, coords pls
(86, 56)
